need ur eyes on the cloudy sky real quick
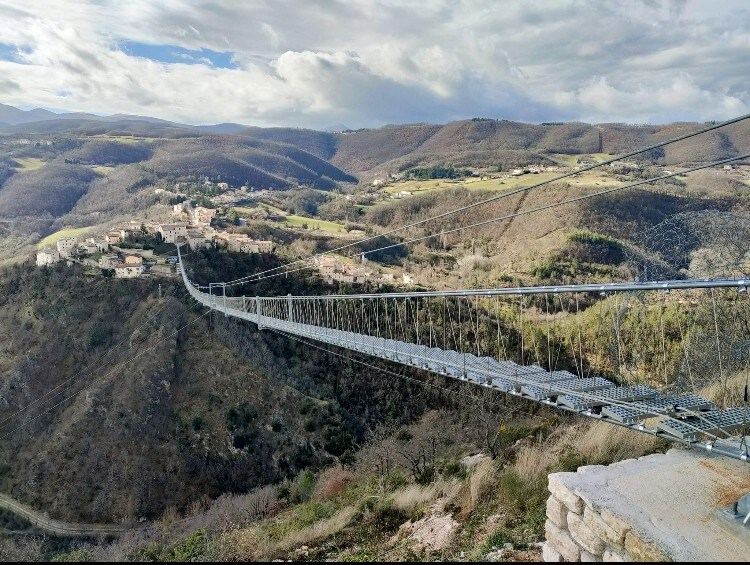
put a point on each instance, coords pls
(366, 63)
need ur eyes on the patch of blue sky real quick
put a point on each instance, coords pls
(175, 54)
(9, 52)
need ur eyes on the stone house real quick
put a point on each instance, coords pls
(202, 216)
(66, 246)
(113, 237)
(47, 256)
(108, 261)
(123, 271)
(196, 240)
(172, 233)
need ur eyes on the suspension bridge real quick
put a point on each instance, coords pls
(661, 343)
(472, 336)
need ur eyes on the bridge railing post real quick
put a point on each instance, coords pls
(289, 316)
(257, 312)
(224, 288)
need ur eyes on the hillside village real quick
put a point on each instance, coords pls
(114, 253)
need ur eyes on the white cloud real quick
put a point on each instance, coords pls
(369, 62)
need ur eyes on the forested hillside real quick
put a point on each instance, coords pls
(161, 405)
(247, 445)
(51, 191)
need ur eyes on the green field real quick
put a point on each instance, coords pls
(587, 178)
(313, 224)
(126, 138)
(572, 160)
(293, 221)
(52, 238)
(29, 163)
(102, 169)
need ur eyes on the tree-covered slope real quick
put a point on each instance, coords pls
(132, 403)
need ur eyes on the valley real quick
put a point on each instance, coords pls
(125, 403)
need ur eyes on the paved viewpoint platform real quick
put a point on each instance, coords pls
(662, 507)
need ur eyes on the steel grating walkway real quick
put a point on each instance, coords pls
(686, 418)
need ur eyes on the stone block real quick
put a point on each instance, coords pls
(619, 526)
(584, 536)
(557, 511)
(642, 550)
(614, 556)
(589, 557)
(562, 542)
(601, 528)
(550, 554)
(564, 494)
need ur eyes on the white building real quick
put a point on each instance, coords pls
(113, 237)
(101, 245)
(178, 209)
(172, 233)
(66, 246)
(108, 261)
(125, 271)
(203, 216)
(89, 246)
(196, 240)
(47, 256)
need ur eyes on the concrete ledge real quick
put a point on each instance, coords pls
(660, 507)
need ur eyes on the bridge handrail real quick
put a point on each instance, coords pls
(675, 284)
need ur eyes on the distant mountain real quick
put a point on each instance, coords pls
(336, 128)
(221, 128)
(375, 153)
(134, 118)
(96, 125)
(66, 182)
(12, 115)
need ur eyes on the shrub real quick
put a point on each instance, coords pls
(189, 549)
(388, 517)
(198, 423)
(454, 469)
(332, 481)
(78, 555)
(303, 487)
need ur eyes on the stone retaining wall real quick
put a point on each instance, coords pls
(661, 507)
(575, 531)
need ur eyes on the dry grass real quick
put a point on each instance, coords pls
(412, 497)
(319, 530)
(729, 392)
(254, 544)
(483, 477)
(244, 544)
(606, 443)
(596, 442)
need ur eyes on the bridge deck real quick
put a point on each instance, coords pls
(687, 419)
